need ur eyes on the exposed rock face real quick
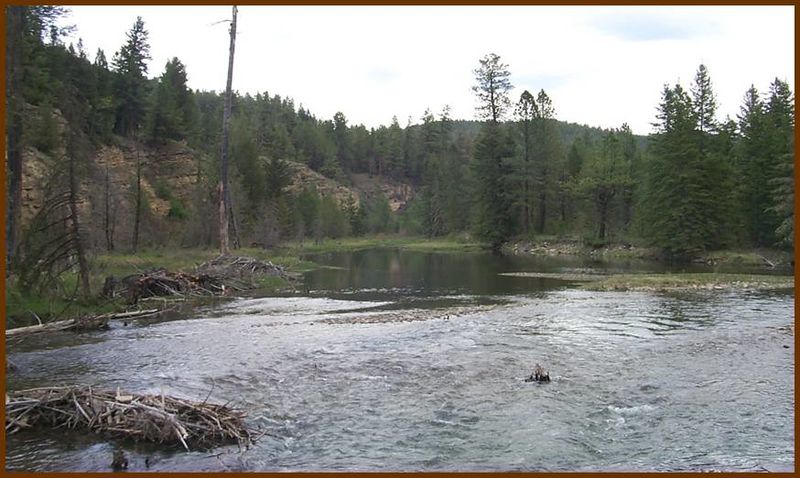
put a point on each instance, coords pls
(169, 177)
(304, 177)
(398, 194)
(170, 168)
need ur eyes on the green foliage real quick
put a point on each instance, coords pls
(177, 210)
(686, 201)
(493, 219)
(378, 216)
(171, 112)
(603, 179)
(162, 190)
(307, 205)
(356, 215)
(130, 87)
(277, 177)
(702, 183)
(43, 132)
(334, 222)
(491, 88)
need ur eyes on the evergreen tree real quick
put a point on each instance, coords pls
(170, 114)
(547, 153)
(527, 111)
(491, 88)
(754, 167)
(684, 205)
(130, 64)
(780, 128)
(603, 178)
(342, 140)
(492, 202)
(704, 101)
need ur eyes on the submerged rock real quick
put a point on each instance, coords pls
(539, 375)
(120, 461)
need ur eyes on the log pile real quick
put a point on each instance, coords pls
(153, 418)
(161, 282)
(80, 323)
(240, 268)
(210, 278)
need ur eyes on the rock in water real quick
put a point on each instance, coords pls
(120, 461)
(538, 375)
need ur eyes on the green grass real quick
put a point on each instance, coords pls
(625, 282)
(59, 304)
(273, 283)
(420, 244)
(21, 307)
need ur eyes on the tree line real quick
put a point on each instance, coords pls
(701, 184)
(696, 184)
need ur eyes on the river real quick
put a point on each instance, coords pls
(397, 360)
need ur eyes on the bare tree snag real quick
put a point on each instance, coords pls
(224, 195)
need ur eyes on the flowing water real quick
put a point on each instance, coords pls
(390, 360)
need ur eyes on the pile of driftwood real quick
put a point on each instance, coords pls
(161, 282)
(153, 418)
(240, 268)
(80, 323)
(214, 277)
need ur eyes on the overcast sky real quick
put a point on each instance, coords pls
(602, 66)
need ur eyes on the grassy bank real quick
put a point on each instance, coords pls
(689, 281)
(573, 246)
(23, 306)
(419, 244)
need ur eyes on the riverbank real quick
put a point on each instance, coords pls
(689, 281)
(25, 308)
(453, 244)
(556, 246)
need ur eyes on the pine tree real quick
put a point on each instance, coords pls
(754, 167)
(604, 178)
(547, 151)
(130, 64)
(169, 113)
(527, 111)
(342, 139)
(704, 101)
(780, 129)
(492, 146)
(684, 207)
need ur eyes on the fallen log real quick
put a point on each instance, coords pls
(153, 418)
(80, 323)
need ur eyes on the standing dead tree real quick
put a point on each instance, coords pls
(137, 217)
(223, 190)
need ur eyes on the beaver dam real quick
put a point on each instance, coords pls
(215, 277)
(153, 418)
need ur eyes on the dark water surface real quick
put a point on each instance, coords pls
(641, 381)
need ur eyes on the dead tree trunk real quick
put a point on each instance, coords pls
(224, 196)
(77, 148)
(83, 266)
(138, 211)
(110, 218)
(14, 31)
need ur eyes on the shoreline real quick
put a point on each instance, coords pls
(24, 308)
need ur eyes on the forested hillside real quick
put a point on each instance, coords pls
(105, 154)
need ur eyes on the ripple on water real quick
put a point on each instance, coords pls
(640, 381)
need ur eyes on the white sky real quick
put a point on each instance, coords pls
(601, 66)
